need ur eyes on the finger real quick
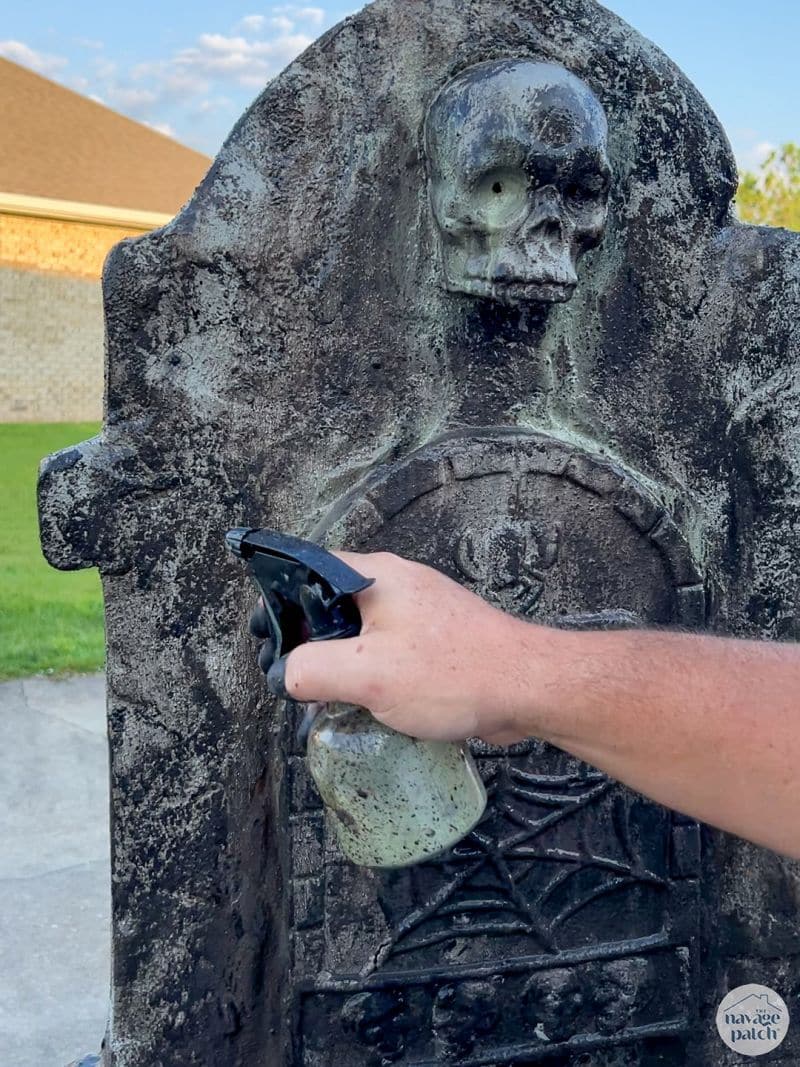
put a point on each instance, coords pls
(376, 565)
(276, 674)
(326, 671)
(387, 571)
(259, 624)
(502, 739)
(357, 560)
(266, 656)
(364, 563)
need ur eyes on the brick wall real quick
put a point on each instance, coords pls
(51, 347)
(51, 318)
(58, 246)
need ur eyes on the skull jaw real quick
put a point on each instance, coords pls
(512, 294)
(512, 277)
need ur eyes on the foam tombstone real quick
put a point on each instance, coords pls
(600, 428)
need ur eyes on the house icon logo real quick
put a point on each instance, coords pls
(752, 1020)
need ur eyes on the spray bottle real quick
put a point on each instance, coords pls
(395, 800)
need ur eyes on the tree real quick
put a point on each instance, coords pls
(772, 196)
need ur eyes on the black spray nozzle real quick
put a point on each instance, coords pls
(307, 591)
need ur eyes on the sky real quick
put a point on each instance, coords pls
(190, 70)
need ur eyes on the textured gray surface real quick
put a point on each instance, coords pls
(54, 870)
(288, 341)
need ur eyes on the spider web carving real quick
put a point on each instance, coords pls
(514, 875)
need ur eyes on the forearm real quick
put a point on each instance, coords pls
(710, 727)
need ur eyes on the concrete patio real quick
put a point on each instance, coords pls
(54, 870)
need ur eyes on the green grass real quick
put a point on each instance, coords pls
(49, 620)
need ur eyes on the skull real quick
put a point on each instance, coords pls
(518, 179)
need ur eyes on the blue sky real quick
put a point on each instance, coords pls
(191, 69)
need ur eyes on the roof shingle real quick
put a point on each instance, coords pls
(56, 143)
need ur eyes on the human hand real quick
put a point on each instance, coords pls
(432, 658)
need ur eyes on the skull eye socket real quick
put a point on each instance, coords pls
(578, 194)
(500, 198)
(587, 191)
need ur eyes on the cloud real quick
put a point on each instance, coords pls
(282, 22)
(751, 148)
(194, 91)
(171, 82)
(251, 23)
(211, 105)
(215, 59)
(237, 58)
(763, 149)
(42, 62)
(161, 127)
(104, 69)
(132, 100)
(283, 17)
(314, 15)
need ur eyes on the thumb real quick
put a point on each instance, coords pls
(320, 670)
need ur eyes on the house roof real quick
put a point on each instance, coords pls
(58, 144)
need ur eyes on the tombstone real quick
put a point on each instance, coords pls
(464, 283)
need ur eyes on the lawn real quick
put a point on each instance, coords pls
(49, 620)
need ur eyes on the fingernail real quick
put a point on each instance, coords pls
(276, 679)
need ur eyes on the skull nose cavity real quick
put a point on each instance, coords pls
(548, 228)
(548, 198)
(547, 216)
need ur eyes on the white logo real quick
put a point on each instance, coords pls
(752, 1020)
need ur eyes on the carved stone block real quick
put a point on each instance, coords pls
(463, 283)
